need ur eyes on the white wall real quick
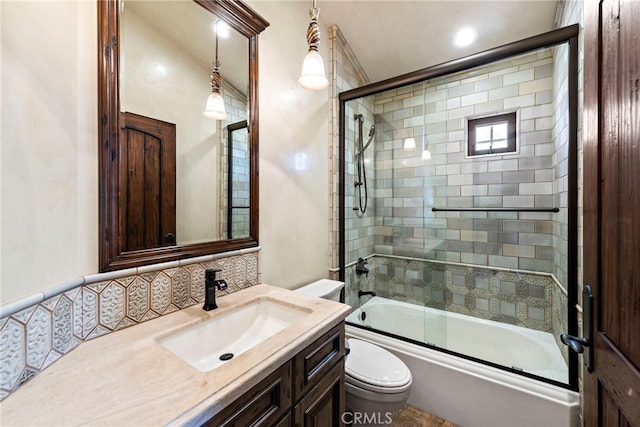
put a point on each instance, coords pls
(49, 174)
(294, 130)
(49, 160)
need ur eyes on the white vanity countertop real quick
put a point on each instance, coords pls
(127, 378)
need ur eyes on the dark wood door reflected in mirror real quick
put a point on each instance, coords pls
(163, 186)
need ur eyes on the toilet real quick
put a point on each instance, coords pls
(376, 381)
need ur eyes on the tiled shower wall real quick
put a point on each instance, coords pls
(408, 187)
(35, 337)
(236, 107)
(345, 74)
(534, 301)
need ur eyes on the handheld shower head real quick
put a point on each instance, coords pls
(372, 131)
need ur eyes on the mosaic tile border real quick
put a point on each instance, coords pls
(38, 330)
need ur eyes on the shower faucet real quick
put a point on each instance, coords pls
(210, 285)
(363, 293)
(360, 267)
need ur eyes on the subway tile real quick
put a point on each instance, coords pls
(502, 189)
(544, 201)
(487, 178)
(474, 98)
(458, 113)
(543, 71)
(536, 188)
(533, 264)
(520, 250)
(518, 201)
(473, 190)
(518, 77)
(460, 90)
(489, 83)
(493, 106)
(503, 165)
(536, 239)
(503, 92)
(487, 248)
(519, 176)
(520, 101)
(473, 236)
(459, 246)
(534, 163)
(453, 103)
(473, 258)
(466, 179)
(503, 261)
(487, 201)
(545, 252)
(539, 85)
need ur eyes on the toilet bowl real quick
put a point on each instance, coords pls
(377, 382)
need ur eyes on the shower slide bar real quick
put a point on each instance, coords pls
(495, 209)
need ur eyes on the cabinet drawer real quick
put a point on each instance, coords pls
(315, 361)
(263, 405)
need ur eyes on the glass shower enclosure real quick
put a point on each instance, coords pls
(459, 206)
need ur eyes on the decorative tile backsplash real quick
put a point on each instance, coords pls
(35, 337)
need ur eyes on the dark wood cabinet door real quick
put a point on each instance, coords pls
(612, 209)
(147, 182)
(324, 405)
(316, 360)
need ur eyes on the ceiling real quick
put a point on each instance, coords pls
(390, 38)
(191, 31)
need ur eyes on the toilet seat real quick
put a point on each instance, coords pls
(375, 369)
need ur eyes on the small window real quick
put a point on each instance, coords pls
(491, 135)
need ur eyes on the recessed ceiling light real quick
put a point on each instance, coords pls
(222, 28)
(465, 36)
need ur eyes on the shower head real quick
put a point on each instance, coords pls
(372, 131)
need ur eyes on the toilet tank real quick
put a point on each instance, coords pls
(323, 288)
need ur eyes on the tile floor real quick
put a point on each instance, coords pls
(414, 417)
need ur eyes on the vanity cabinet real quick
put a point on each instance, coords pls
(307, 390)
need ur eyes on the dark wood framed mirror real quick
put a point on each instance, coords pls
(119, 246)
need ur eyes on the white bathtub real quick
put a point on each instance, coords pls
(466, 392)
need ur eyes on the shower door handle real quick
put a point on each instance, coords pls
(582, 345)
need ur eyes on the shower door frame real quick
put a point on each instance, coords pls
(568, 35)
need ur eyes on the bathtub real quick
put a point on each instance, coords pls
(463, 391)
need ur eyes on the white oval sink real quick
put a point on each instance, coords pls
(232, 332)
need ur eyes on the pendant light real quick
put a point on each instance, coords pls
(214, 108)
(409, 144)
(312, 76)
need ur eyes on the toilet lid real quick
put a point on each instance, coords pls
(374, 365)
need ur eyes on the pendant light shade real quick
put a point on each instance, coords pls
(214, 108)
(409, 144)
(426, 154)
(312, 75)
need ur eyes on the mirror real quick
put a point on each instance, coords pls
(165, 178)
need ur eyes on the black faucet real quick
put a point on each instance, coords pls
(363, 293)
(360, 267)
(210, 285)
